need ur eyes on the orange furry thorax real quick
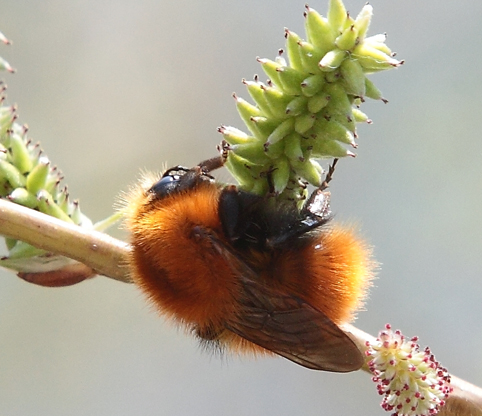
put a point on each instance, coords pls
(180, 275)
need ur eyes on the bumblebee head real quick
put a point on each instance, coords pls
(178, 179)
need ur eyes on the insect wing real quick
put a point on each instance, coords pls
(288, 326)
(295, 330)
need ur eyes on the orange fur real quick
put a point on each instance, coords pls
(337, 269)
(185, 279)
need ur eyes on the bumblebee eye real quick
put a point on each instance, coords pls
(165, 186)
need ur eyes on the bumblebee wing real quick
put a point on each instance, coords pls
(294, 329)
(288, 326)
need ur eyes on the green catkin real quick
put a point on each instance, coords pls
(309, 107)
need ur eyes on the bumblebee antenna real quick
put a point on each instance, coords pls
(329, 176)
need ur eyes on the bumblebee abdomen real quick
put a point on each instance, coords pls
(339, 267)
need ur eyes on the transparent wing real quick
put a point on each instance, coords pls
(288, 326)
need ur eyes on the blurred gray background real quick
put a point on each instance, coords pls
(113, 87)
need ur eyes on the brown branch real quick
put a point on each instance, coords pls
(105, 255)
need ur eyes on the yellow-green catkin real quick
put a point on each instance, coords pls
(309, 107)
(28, 178)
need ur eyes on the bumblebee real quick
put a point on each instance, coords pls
(246, 275)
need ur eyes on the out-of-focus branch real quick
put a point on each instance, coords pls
(105, 255)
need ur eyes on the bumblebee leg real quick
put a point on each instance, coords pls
(329, 176)
(212, 164)
(230, 212)
(317, 206)
(207, 333)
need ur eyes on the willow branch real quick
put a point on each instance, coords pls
(105, 255)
